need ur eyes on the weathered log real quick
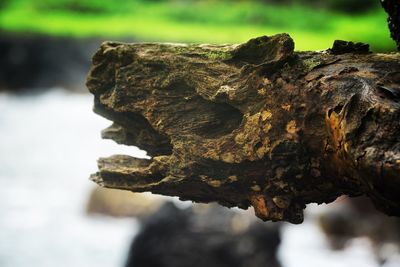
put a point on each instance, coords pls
(255, 124)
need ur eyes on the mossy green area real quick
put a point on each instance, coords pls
(194, 21)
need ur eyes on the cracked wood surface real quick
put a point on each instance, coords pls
(254, 124)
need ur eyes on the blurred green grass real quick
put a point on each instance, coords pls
(195, 21)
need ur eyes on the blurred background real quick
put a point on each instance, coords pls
(52, 215)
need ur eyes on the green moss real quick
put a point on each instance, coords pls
(218, 55)
(311, 63)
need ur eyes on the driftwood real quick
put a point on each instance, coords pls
(255, 124)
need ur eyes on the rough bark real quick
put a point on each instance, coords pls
(255, 124)
(392, 7)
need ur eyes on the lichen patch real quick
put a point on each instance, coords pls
(232, 178)
(256, 188)
(266, 115)
(228, 157)
(286, 107)
(291, 127)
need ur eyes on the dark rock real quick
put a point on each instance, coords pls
(204, 236)
(356, 217)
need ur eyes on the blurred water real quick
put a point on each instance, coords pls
(305, 245)
(49, 144)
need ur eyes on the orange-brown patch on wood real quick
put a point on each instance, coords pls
(334, 123)
(286, 106)
(291, 127)
(260, 206)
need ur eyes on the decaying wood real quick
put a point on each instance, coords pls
(255, 124)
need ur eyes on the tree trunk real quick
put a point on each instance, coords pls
(392, 8)
(255, 124)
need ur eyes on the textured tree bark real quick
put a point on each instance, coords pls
(392, 8)
(255, 124)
